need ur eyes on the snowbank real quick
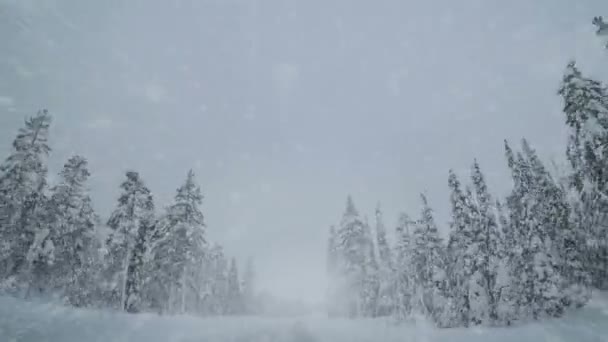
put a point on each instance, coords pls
(30, 322)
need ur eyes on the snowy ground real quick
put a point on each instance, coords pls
(44, 322)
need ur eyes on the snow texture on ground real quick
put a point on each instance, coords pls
(29, 322)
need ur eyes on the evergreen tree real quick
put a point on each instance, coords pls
(487, 238)
(371, 282)
(234, 294)
(386, 269)
(219, 282)
(130, 221)
(26, 251)
(428, 266)
(404, 272)
(586, 108)
(179, 248)
(354, 255)
(73, 222)
(461, 261)
(539, 220)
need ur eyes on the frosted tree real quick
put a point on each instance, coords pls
(219, 282)
(26, 250)
(539, 217)
(404, 272)
(73, 225)
(234, 300)
(129, 222)
(460, 267)
(179, 249)
(371, 282)
(586, 108)
(487, 240)
(353, 256)
(428, 266)
(386, 269)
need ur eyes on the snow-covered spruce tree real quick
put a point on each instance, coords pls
(219, 282)
(386, 269)
(586, 108)
(404, 272)
(539, 216)
(180, 249)
(563, 239)
(129, 223)
(371, 282)
(353, 256)
(73, 224)
(460, 255)
(25, 251)
(429, 296)
(234, 298)
(487, 240)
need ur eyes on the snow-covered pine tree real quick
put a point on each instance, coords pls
(586, 108)
(386, 269)
(25, 251)
(371, 283)
(561, 238)
(404, 272)
(487, 238)
(136, 277)
(73, 225)
(353, 256)
(179, 249)
(460, 261)
(234, 303)
(132, 218)
(428, 264)
(539, 215)
(219, 285)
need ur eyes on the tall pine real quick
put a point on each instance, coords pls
(130, 222)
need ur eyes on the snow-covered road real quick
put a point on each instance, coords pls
(27, 322)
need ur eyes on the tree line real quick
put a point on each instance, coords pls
(53, 244)
(536, 253)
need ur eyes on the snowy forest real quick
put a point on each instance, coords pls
(536, 253)
(55, 245)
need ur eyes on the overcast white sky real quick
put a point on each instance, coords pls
(284, 107)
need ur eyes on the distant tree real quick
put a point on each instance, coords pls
(386, 270)
(234, 295)
(460, 267)
(26, 250)
(428, 265)
(404, 271)
(73, 225)
(179, 248)
(353, 256)
(487, 239)
(129, 223)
